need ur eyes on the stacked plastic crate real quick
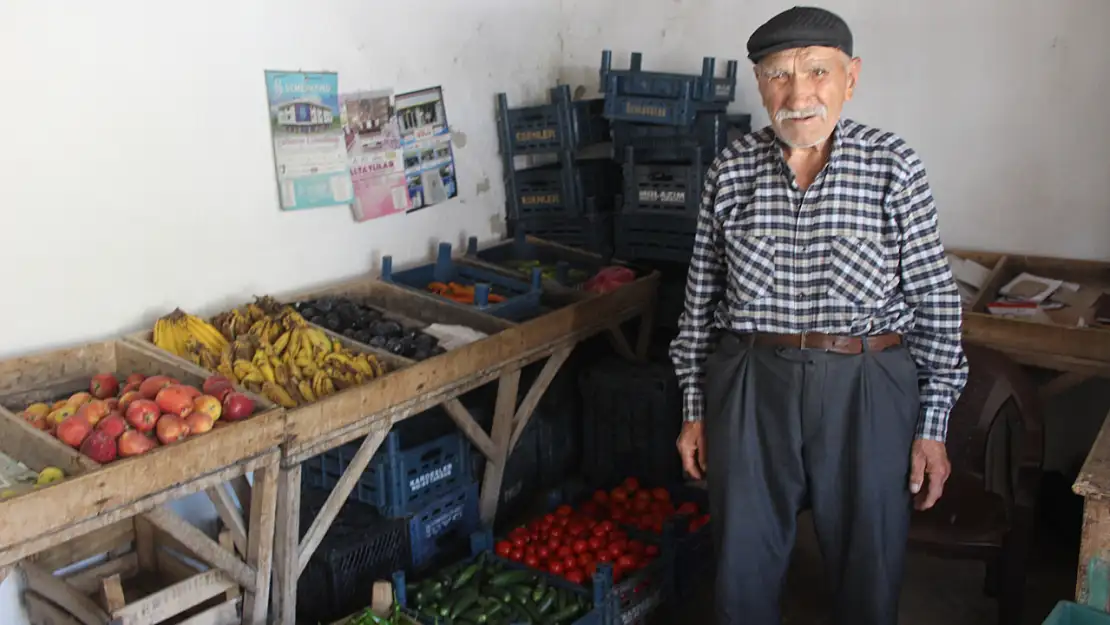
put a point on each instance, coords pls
(569, 201)
(667, 129)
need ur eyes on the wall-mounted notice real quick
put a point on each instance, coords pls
(426, 140)
(310, 155)
(374, 153)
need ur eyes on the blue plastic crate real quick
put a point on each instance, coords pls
(522, 299)
(560, 126)
(448, 519)
(708, 136)
(562, 188)
(590, 232)
(398, 481)
(672, 190)
(704, 87)
(646, 237)
(566, 267)
(1070, 613)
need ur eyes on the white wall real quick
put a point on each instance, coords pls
(136, 173)
(1005, 100)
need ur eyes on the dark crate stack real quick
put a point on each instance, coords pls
(570, 201)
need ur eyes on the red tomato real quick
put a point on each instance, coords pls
(644, 496)
(550, 518)
(640, 505)
(635, 547)
(535, 525)
(595, 543)
(618, 574)
(543, 552)
(589, 508)
(554, 544)
(607, 526)
(585, 558)
(601, 496)
(517, 555)
(561, 521)
(660, 494)
(590, 569)
(619, 516)
(519, 541)
(603, 556)
(615, 550)
(564, 551)
(532, 561)
(626, 562)
(618, 494)
(556, 567)
(570, 561)
(575, 576)
(530, 550)
(563, 510)
(556, 533)
(504, 548)
(688, 507)
(617, 535)
(599, 529)
(651, 550)
(631, 484)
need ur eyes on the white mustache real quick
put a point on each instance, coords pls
(815, 111)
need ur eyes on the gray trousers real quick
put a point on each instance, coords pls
(789, 429)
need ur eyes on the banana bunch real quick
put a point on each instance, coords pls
(190, 337)
(273, 351)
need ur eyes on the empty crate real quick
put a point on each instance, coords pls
(705, 138)
(669, 189)
(562, 188)
(560, 126)
(664, 98)
(640, 237)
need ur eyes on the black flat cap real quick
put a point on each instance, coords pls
(800, 27)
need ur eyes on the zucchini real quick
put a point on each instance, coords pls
(530, 611)
(547, 601)
(466, 598)
(566, 614)
(523, 594)
(540, 590)
(509, 577)
(466, 575)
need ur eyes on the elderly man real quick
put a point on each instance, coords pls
(819, 352)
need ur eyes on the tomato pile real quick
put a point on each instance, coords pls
(571, 545)
(641, 508)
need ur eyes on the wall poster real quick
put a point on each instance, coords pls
(429, 161)
(373, 145)
(310, 155)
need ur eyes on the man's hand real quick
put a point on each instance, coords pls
(929, 468)
(691, 446)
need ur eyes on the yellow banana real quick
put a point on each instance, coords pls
(226, 371)
(306, 390)
(281, 373)
(360, 363)
(319, 340)
(268, 373)
(278, 395)
(281, 343)
(306, 344)
(205, 332)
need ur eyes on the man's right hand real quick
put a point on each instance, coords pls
(691, 446)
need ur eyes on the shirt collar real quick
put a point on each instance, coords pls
(835, 153)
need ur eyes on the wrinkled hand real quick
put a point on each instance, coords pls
(691, 446)
(929, 470)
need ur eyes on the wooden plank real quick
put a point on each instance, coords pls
(145, 544)
(87, 581)
(242, 489)
(1094, 475)
(535, 393)
(42, 612)
(84, 526)
(64, 596)
(996, 279)
(228, 511)
(286, 543)
(338, 497)
(465, 421)
(226, 542)
(227, 613)
(1061, 383)
(1056, 362)
(175, 599)
(504, 410)
(620, 343)
(260, 545)
(92, 544)
(112, 590)
(173, 567)
(206, 549)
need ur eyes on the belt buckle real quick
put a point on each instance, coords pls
(802, 339)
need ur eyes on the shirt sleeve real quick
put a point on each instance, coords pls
(930, 290)
(704, 286)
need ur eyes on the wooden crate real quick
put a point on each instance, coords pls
(128, 573)
(90, 489)
(1083, 350)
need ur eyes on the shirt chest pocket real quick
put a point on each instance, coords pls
(751, 263)
(857, 270)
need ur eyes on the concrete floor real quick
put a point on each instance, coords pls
(935, 592)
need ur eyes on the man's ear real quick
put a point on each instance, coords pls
(853, 76)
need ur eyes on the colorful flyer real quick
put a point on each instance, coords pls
(426, 140)
(374, 154)
(310, 155)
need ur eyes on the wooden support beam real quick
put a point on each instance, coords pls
(175, 599)
(205, 549)
(58, 592)
(112, 591)
(145, 545)
(502, 434)
(620, 343)
(42, 612)
(462, 418)
(228, 511)
(338, 497)
(260, 544)
(242, 488)
(286, 545)
(227, 613)
(1061, 383)
(87, 581)
(535, 393)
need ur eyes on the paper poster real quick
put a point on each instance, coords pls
(374, 154)
(426, 141)
(310, 154)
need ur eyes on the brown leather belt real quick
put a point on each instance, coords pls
(826, 342)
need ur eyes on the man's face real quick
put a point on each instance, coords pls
(804, 90)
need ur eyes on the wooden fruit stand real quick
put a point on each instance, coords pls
(372, 409)
(101, 509)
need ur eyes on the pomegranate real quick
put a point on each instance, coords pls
(94, 411)
(143, 414)
(134, 442)
(100, 446)
(103, 386)
(237, 406)
(174, 400)
(208, 405)
(150, 386)
(198, 423)
(171, 429)
(114, 425)
(73, 430)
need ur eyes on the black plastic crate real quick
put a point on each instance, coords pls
(666, 189)
(562, 188)
(592, 232)
(708, 136)
(359, 548)
(557, 127)
(670, 298)
(645, 237)
(632, 417)
(634, 81)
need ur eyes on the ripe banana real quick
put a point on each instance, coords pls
(278, 395)
(306, 390)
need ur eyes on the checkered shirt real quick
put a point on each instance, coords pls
(857, 253)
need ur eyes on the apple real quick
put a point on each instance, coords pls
(103, 386)
(114, 424)
(94, 411)
(214, 383)
(171, 429)
(126, 399)
(136, 379)
(100, 446)
(143, 414)
(134, 442)
(237, 406)
(73, 430)
(77, 399)
(150, 386)
(198, 423)
(208, 405)
(174, 400)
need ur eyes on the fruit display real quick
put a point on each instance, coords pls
(17, 479)
(461, 293)
(113, 420)
(269, 348)
(486, 590)
(368, 326)
(547, 270)
(644, 509)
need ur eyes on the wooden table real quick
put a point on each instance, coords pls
(373, 410)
